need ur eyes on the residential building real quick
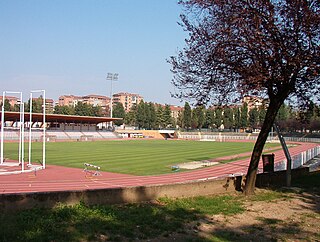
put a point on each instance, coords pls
(96, 100)
(69, 100)
(127, 99)
(175, 111)
(92, 99)
(254, 102)
(12, 100)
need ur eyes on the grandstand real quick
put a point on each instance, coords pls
(59, 127)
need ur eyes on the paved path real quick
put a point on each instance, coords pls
(57, 178)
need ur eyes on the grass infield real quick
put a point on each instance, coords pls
(137, 157)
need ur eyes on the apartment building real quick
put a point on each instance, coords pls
(12, 100)
(96, 100)
(254, 102)
(127, 99)
(69, 100)
(175, 111)
(92, 99)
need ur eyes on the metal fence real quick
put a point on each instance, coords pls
(219, 138)
(222, 137)
(298, 160)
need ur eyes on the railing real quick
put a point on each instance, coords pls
(298, 160)
(296, 139)
(222, 137)
(219, 137)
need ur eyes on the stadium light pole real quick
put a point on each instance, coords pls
(112, 77)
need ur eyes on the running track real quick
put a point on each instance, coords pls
(57, 178)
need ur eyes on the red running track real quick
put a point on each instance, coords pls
(57, 178)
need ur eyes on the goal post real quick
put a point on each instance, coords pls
(43, 128)
(20, 127)
(20, 124)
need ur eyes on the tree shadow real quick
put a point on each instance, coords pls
(96, 223)
(263, 230)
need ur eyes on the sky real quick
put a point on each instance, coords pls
(69, 46)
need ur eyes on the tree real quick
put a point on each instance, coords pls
(7, 105)
(268, 48)
(194, 119)
(187, 116)
(130, 118)
(244, 116)
(118, 112)
(83, 109)
(180, 119)
(218, 117)
(167, 118)
(66, 110)
(200, 116)
(97, 111)
(228, 121)
(37, 104)
(262, 114)
(141, 115)
(209, 118)
(237, 115)
(160, 118)
(283, 113)
(253, 118)
(152, 116)
(314, 124)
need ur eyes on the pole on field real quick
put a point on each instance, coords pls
(30, 127)
(22, 134)
(21, 128)
(2, 127)
(44, 131)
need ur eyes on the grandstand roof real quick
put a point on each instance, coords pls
(60, 118)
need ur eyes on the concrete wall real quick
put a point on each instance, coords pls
(14, 202)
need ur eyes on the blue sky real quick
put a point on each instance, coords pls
(69, 46)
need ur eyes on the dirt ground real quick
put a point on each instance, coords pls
(296, 218)
(293, 218)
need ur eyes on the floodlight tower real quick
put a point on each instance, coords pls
(112, 77)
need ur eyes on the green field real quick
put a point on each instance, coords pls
(138, 157)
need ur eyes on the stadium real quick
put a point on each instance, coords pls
(81, 157)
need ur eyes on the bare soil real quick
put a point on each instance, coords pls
(296, 218)
(293, 218)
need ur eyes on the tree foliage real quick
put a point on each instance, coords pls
(6, 105)
(187, 116)
(66, 110)
(118, 112)
(265, 47)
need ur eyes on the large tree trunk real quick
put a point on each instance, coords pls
(258, 147)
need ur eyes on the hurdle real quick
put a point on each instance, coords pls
(95, 169)
(175, 168)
